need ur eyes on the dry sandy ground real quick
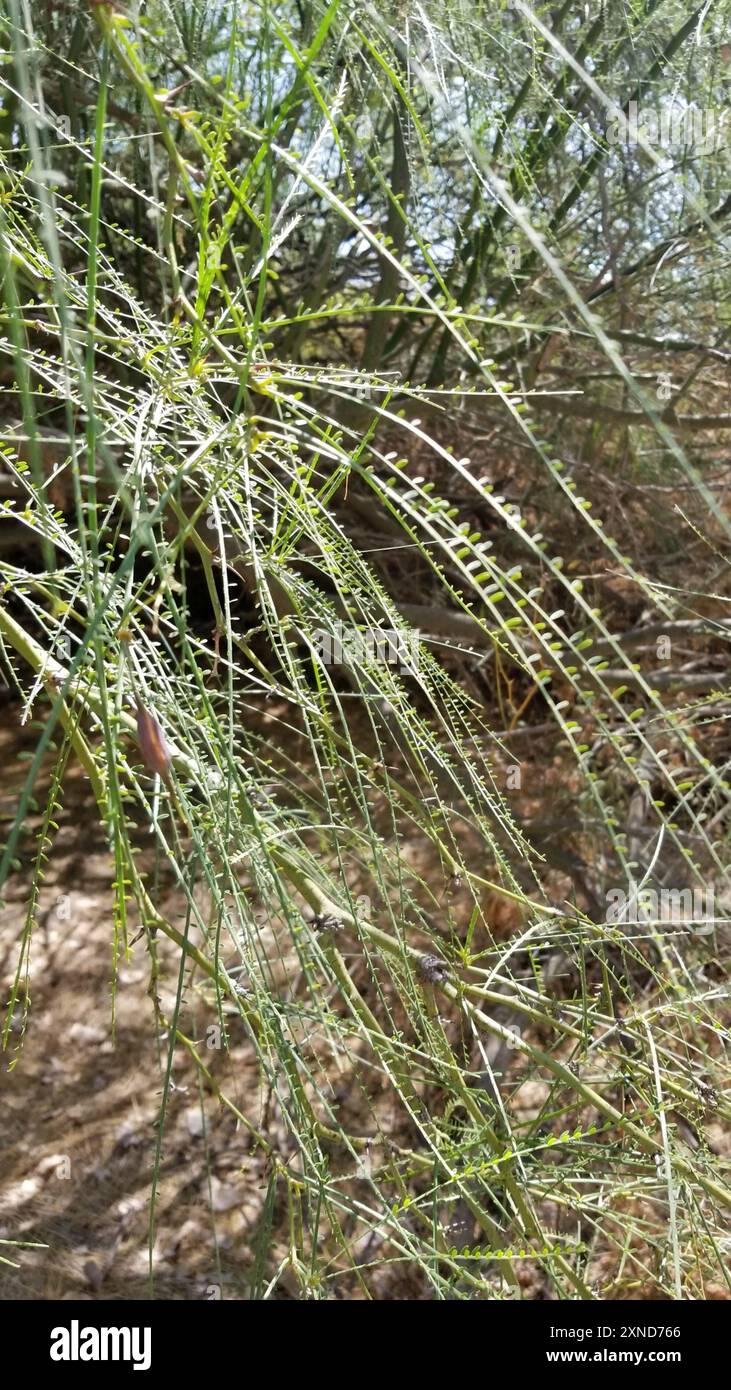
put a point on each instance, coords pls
(81, 1098)
(79, 1107)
